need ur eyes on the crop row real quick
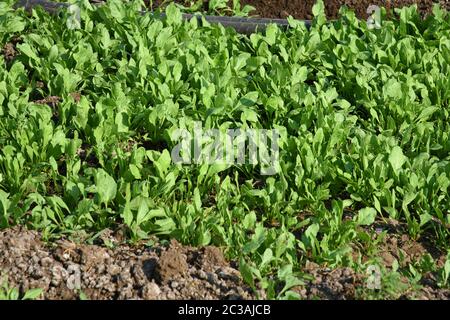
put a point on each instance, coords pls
(87, 116)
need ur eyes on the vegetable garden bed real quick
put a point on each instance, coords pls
(357, 206)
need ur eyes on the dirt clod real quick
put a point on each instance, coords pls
(172, 264)
(151, 291)
(212, 256)
(51, 101)
(9, 51)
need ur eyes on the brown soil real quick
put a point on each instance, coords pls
(9, 51)
(397, 245)
(336, 284)
(343, 283)
(160, 272)
(302, 9)
(51, 101)
(126, 272)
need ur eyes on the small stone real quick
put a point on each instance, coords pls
(171, 296)
(151, 291)
(347, 272)
(114, 269)
(46, 262)
(212, 278)
(338, 287)
(202, 275)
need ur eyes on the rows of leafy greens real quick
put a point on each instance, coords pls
(363, 116)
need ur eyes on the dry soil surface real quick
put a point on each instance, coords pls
(64, 269)
(125, 272)
(302, 9)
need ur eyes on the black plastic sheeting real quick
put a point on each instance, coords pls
(241, 25)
